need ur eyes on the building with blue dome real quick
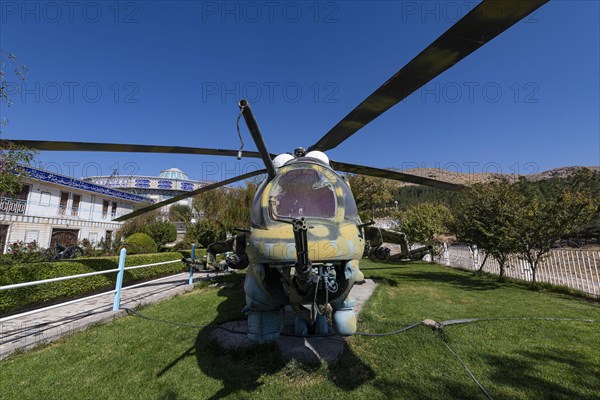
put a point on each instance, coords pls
(174, 173)
(169, 183)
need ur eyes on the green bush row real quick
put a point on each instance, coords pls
(188, 253)
(40, 295)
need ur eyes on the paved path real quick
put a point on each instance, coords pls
(27, 331)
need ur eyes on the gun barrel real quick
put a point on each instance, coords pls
(301, 239)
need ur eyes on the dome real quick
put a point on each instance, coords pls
(173, 173)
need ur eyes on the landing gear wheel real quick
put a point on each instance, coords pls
(367, 250)
(51, 253)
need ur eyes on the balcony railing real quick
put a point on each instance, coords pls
(12, 206)
(34, 209)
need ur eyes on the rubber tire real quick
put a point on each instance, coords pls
(51, 253)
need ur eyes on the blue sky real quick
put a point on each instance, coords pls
(172, 72)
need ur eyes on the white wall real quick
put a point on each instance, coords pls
(42, 215)
(90, 206)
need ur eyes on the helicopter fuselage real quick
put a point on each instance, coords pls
(304, 188)
(308, 192)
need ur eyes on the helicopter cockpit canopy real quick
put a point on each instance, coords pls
(309, 191)
(303, 192)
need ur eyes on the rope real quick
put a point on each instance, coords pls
(469, 320)
(389, 333)
(485, 392)
(237, 125)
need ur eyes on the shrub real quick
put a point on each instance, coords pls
(205, 232)
(188, 253)
(181, 245)
(136, 224)
(41, 295)
(25, 252)
(162, 232)
(139, 243)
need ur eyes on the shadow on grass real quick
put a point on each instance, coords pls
(241, 370)
(519, 371)
(393, 389)
(466, 282)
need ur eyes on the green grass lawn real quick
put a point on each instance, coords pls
(132, 358)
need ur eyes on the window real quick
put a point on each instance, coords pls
(45, 198)
(3, 236)
(22, 195)
(104, 208)
(108, 238)
(303, 192)
(64, 199)
(93, 237)
(113, 212)
(31, 236)
(75, 205)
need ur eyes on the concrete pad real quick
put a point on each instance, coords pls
(309, 350)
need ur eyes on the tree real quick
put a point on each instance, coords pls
(12, 157)
(204, 232)
(541, 223)
(136, 224)
(180, 213)
(12, 160)
(424, 222)
(162, 232)
(409, 195)
(222, 211)
(370, 193)
(229, 208)
(485, 216)
(19, 70)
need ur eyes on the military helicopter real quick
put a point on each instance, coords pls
(306, 238)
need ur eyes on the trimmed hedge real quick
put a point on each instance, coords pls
(188, 253)
(41, 295)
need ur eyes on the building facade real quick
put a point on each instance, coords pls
(170, 183)
(54, 208)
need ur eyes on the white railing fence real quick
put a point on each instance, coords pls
(575, 269)
(117, 290)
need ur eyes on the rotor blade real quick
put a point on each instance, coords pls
(128, 148)
(189, 194)
(479, 26)
(394, 175)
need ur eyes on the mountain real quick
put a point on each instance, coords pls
(482, 177)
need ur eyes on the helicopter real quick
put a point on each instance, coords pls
(306, 239)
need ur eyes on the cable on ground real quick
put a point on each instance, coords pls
(437, 326)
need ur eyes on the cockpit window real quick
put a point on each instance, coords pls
(303, 192)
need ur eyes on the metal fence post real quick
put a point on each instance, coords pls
(191, 280)
(119, 286)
